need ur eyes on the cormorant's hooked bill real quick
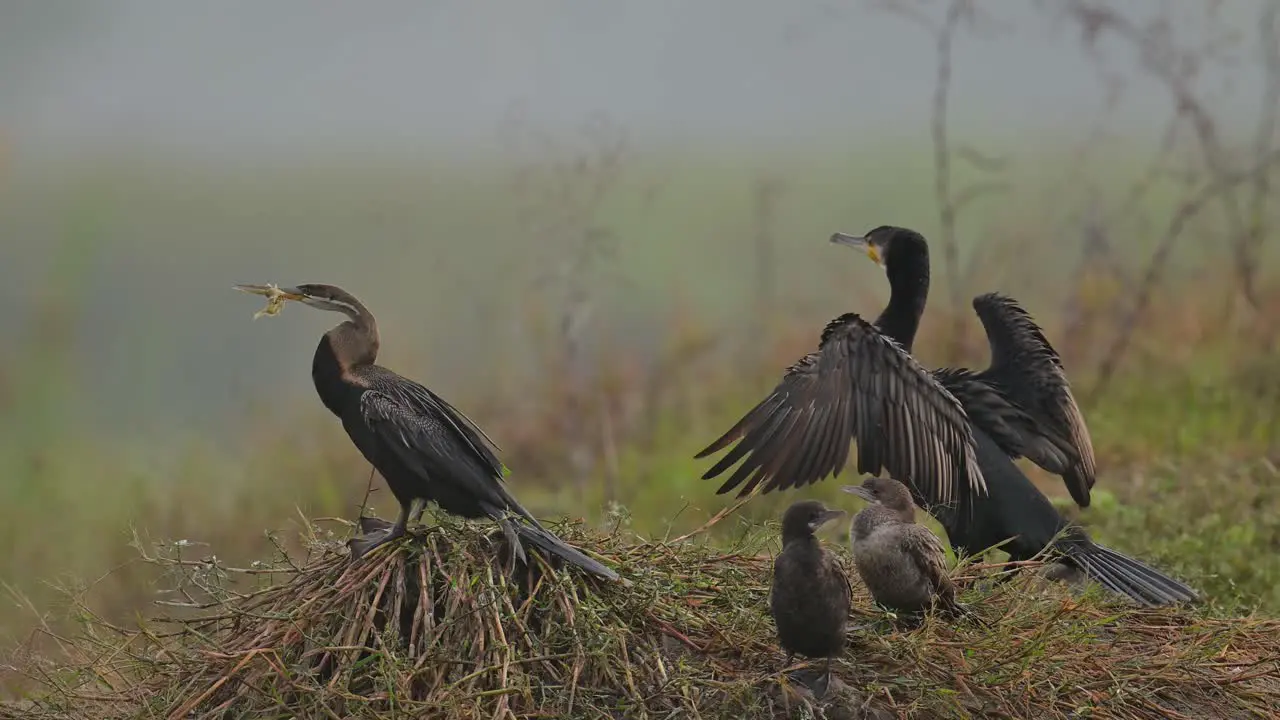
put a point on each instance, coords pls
(860, 242)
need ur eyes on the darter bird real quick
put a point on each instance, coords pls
(422, 446)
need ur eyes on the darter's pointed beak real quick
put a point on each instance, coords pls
(269, 290)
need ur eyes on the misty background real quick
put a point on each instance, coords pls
(155, 152)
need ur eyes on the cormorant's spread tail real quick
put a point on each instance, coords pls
(1122, 574)
(544, 540)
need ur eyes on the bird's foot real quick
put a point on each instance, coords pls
(370, 525)
(361, 546)
(822, 684)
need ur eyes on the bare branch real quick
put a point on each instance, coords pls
(1269, 42)
(1188, 210)
(911, 10)
(942, 159)
(1177, 69)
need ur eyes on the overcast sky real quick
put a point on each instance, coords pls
(298, 80)
(239, 77)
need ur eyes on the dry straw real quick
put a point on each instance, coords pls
(433, 627)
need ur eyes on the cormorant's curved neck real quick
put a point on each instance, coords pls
(907, 266)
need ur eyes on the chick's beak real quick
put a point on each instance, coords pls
(860, 491)
(826, 517)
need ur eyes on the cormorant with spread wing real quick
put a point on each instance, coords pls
(1021, 406)
(421, 445)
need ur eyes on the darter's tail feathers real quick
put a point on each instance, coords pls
(544, 540)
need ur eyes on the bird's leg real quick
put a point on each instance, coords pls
(362, 545)
(826, 678)
(370, 525)
(513, 537)
(415, 515)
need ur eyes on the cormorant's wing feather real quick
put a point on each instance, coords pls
(1028, 371)
(1012, 428)
(860, 385)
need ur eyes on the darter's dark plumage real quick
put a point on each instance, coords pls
(422, 446)
(810, 597)
(1021, 406)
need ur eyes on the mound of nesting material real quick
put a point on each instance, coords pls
(431, 627)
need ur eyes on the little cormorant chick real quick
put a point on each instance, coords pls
(811, 595)
(902, 564)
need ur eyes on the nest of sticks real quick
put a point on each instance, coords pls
(440, 624)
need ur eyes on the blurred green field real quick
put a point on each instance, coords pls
(138, 394)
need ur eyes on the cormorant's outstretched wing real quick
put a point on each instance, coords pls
(1027, 370)
(1014, 430)
(860, 385)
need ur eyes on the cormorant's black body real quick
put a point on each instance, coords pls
(422, 446)
(810, 597)
(1021, 406)
(1016, 510)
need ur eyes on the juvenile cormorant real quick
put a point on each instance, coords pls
(1021, 406)
(900, 562)
(425, 448)
(810, 598)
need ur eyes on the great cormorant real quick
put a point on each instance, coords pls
(1020, 406)
(422, 446)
